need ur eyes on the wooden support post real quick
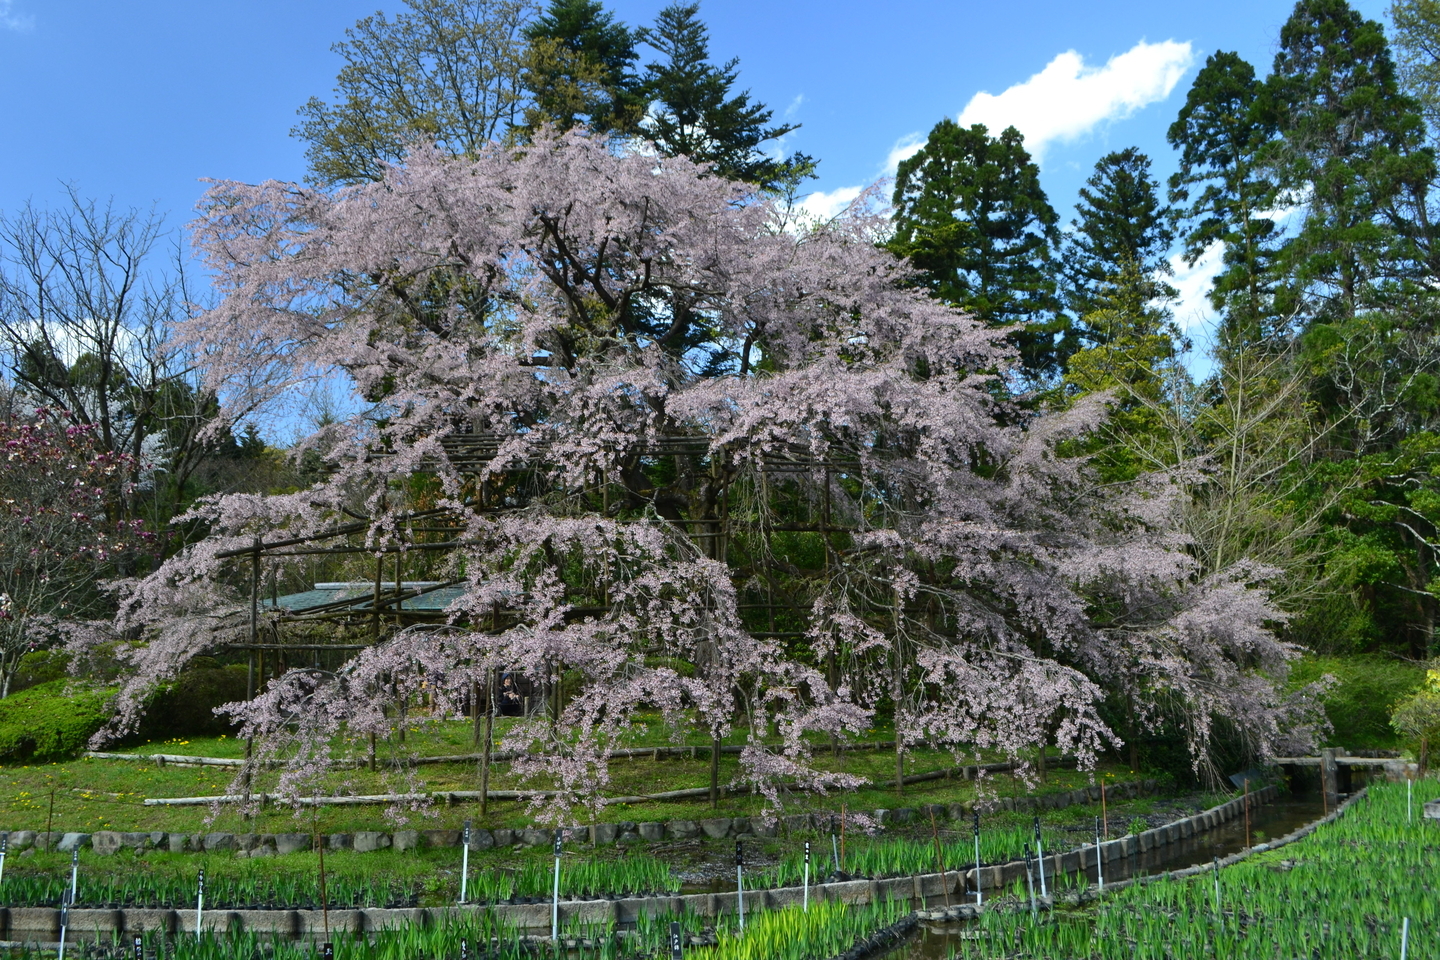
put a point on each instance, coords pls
(489, 739)
(715, 772)
(1329, 778)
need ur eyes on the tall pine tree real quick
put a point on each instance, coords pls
(1349, 149)
(694, 110)
(1223, 193)
(579, 69)
(971, 215)
(1121, 229)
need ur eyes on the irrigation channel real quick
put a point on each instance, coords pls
(941, 941)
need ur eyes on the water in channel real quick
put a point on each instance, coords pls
(938, 941)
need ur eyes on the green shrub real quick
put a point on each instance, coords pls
(40, 666)
(52, 721)
(186, 706)
(1360, 703)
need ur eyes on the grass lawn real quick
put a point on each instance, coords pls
(92, 794)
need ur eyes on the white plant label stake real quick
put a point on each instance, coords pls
(1030, 882)
(1404, 938)
(805, 897)
(4, 845)
(834, 851)
(675, 940)
(1099, 856)
(555, 898)
(979, 897)
(464, 861)
(740, 884)
(1040, 858)
(1409, 799)
(1217, 886)
(199, 902)
(69, 898)
(139, 948)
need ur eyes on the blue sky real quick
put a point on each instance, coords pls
(140, 100)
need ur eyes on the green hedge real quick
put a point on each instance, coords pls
(56, 719)
(52, 721)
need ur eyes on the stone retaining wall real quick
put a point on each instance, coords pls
(42, 923)
(107, 842)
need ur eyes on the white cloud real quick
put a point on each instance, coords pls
(824, 205)
(14, 21)
(794, 107)
(1068, 99)
(1192, 309)
(905, 148)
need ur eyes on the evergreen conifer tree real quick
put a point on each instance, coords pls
(971, 215)
(1223, 193)
(579, 69)
(695, 112)
(1349, 151)
(1121, 226)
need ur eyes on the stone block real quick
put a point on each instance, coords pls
(282, 923)
(537, 838)
(21, 840)
(136, 841)
(481, 839)
(438, 839)
(605, 833)
(764, 828)
(34, 923)
(684, 829)
(177, 842)
(340, 841)
(162, 921)
(292, 842)
(1432, 810)
(245, 842)
(157, 839)
(958, 811)
(719, 827)
(652, 831)
(502, 836)
(368, 841)
(740, 827)
(106, 843)
(73, 841)
(219, 842)
(406, 840)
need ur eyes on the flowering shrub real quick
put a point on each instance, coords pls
(56, 536)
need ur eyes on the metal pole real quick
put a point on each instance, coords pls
(1404, 938)
(465, 861)
(199, 902)
(805, 897)
(979, 897)
(555, 896)
(1099, 856)
(740, 884)
(1030, 882)
(1040, 858)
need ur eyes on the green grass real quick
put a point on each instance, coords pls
(92, 795)
(1341, 892)
(1366, 690)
